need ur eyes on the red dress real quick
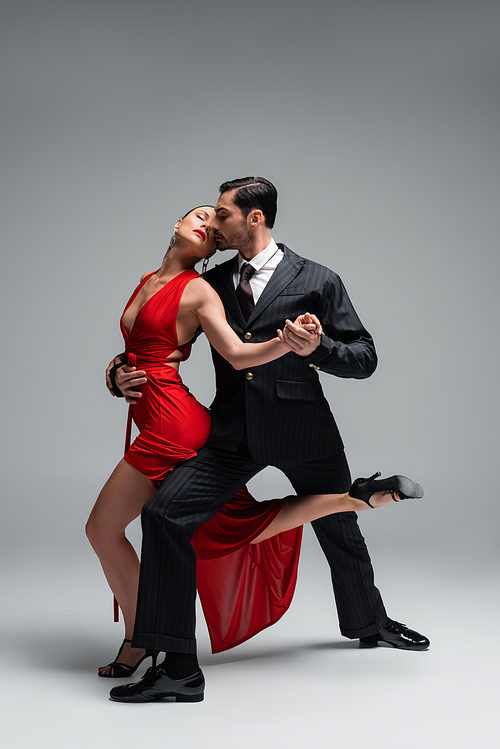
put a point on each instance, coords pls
(243, 587)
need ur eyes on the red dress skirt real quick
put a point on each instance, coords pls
(243, 587)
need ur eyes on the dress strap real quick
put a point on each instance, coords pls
(128, 433)
(131, 361)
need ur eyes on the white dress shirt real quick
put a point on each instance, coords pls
(265, 264)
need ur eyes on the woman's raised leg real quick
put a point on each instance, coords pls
(120, 501)
(304, 509)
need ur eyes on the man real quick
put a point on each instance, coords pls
(275, 414)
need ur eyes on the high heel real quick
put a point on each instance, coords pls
(119, 670)
(363, 489)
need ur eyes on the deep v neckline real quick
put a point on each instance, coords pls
(128, 333)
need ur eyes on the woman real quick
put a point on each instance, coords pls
(158, 325)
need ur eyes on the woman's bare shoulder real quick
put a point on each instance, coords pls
(198, 291)
(146, 275)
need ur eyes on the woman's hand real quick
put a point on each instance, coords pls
(310, 322)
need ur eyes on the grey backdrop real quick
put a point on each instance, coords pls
(378, 122)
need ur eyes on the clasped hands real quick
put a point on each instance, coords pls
(302, 337)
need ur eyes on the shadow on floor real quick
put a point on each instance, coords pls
(66, 651)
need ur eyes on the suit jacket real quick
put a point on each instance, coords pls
(281, 404)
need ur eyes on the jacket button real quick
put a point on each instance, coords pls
(249, 376)
(248, 336)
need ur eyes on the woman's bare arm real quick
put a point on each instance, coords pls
(210, 314)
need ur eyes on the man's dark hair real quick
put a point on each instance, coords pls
(254, 193)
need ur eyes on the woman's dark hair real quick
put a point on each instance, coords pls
(203, 205)
(252, 193)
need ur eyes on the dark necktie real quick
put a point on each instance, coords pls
(244, 290)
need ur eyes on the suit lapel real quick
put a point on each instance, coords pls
(227, 291)
(284, 274)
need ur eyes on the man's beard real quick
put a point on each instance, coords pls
(222, 244)
(240, 241)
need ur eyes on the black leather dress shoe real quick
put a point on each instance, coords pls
(398, 635)
(155, 685)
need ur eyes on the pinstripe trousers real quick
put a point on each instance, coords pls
(191, 495)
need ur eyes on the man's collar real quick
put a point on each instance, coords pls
(262, 258)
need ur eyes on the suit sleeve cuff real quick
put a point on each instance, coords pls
(112, 376)
(321, 352)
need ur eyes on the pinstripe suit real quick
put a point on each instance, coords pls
(275, 414)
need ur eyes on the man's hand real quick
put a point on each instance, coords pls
(302, 336)
(128, 379)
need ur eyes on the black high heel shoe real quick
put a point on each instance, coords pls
(119, 670)
(363, 489)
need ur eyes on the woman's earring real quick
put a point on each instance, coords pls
(171, 243)
(204, 267)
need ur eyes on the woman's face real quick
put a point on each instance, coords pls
(195, 228)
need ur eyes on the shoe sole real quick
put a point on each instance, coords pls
(158, 697)
(410, 488)
(415, 648)
(405, 486)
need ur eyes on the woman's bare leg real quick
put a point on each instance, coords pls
(300, 510)
(120, 501)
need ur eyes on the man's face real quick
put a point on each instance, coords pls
(229, 225)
